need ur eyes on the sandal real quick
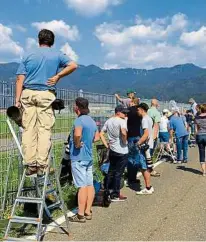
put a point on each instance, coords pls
(88, 216)
(155, 173)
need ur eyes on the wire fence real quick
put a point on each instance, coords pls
(101, 108)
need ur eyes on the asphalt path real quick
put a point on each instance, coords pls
(176, 211)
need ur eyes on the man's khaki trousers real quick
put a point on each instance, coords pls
(38, 120)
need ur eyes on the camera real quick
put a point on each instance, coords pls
(144, 147)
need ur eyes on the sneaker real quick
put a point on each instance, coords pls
(88, 216)
(174, 162)
(121, 198)
(31, 171)
(179, 162)
(145, 191)
(204, 174)
(185, 161)
(77, 219)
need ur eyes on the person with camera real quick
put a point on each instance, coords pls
(37, 76)
(116, 129)
(145, 143)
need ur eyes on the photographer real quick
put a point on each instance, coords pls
(145, 144)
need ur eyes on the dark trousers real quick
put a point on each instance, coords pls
(201, 141)
(118, 162)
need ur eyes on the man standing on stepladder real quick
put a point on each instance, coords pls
(37, 77)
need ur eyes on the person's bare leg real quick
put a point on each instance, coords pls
(146, 175)
(203, 165)
(82, 200)
(90, 199)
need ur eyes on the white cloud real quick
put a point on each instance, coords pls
(20, 28)
(31, 43)
(194, 38)
(60, 28)
(9, 49)
(67, 49)
(152, 43)
(110, 66)
(91, 7)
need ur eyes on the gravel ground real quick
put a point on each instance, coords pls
(176, 211)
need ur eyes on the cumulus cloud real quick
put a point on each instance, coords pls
(110, 66)
(9, 49)
(194, 38)
(151, 43)
(91, 7)
(67, 49)
(31, 43)
(60, 28)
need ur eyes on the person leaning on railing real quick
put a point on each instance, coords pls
(37, 77)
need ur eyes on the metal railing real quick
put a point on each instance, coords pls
(101, 107)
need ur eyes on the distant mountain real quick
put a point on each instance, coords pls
(179, 82)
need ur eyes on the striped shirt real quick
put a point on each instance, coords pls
(201, 123)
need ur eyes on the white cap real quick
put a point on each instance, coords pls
(175, 110)
(165, 111)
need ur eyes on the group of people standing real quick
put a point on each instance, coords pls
(132, 131)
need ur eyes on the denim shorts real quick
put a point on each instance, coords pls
(82, 173)
(164, 137)
(135, 156)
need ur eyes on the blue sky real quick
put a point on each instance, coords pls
(108, 33)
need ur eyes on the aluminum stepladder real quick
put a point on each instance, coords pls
(164, 152)
(43, 187)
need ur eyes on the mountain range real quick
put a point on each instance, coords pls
(179, 82)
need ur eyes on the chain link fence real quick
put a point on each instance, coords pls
(101, 108)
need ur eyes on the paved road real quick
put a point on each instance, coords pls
(177, 210)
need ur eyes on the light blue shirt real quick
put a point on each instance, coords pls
(41, 65)
(89, 128)
(177, 124)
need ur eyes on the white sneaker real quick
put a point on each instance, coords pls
(174, 162)
(145, 191)
(179, 162)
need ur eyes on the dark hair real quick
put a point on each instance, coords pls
(83, 105)
(143, 106)
(46, 37)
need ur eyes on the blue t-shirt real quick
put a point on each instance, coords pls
(177, 124)
(41, 65)
(89, 129)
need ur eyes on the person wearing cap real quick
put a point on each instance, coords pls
(83, 134)
(145, 139)
(37, 76)
(126, 101)
(116, 129)
(177, 127)
(164, 135)
(193, 106)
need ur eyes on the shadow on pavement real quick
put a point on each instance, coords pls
(136, 186)
(183, 168)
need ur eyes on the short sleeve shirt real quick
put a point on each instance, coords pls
(113, 128)
(41, 65)
(178, 126)
(89, 129)
(147, 124)
(125, 101)
(154, 114)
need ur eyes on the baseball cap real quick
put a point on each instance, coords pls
(130, 91)
(121, 109)
(143, 106)
(165, 110)
(191, 100)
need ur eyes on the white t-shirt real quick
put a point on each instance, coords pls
(164, 124)
(147, 123)
(113, 128)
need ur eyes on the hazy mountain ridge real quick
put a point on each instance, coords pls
(179, 82)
